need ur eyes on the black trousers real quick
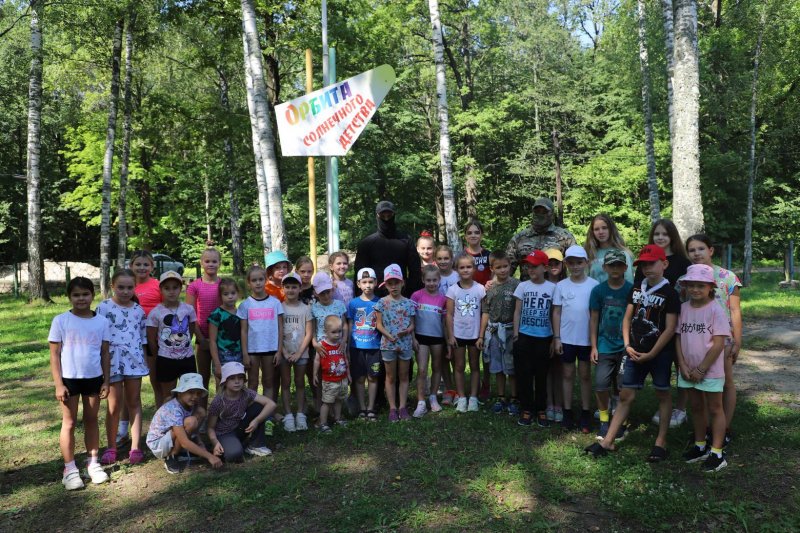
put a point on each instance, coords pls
(233, 442)
(531, 363)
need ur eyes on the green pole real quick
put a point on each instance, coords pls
(16, 280)
(334, 196)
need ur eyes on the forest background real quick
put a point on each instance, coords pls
(518, 71)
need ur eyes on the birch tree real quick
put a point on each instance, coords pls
(644, 64)
(266, 138)
(237, 246)
(108, 160)
(451, 222)
(669, 40)
(122, 226)
(687, 207)
(37, 290)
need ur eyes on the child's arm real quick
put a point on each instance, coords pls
(385, 332)
(212, 346)
(211, 425)
(517, 315)
(105, 362)
(315, 342)
(736, 323)
(449, 332)
(626, 332)
(245, 354)
(718, 344)
(62, 394)
(663, 339)
(189, 445)
(306, 340)
(682, 367)
(152, 340)
(594, 322)
(279, 352)
(484, 325)
(557, 347)
(269, 408)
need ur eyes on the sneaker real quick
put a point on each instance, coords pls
(269, 427)
(585, 423)
(601, 434)
(258, 451)
(473, 404)
(325, 429)
(498, 407)
(109, 457)
(135, 457)
(714, 463)
(402, 414)
(461, 405)
(622, 432)
(172, 465)
(341, 423)
(72, 480)
(288, 423)
(393, 415)
(421, 410)
(513, 408)
(550, 413)
(678, 417)
(447, 398)
(656, 418)
(97, 473)
(435, 407)
(525, 419)
(300, 423)
(559, 416)
(542, 421)
(695, 454)
(485, 392)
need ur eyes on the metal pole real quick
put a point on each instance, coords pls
(16, 281)
(312, 181)
(333, 183)
(325, 83)
(791, 259)
(729, 256)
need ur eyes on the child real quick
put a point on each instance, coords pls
(339, 262)
(700, 252)
(203, 295)
(170, 327)
(571, 333)
(555, 393)
(602, 237)
(277, 265)
(262, 331)
(335, 372)
(323, 307)
(304, 267)
(473, 235)
(463, 330)
(126, 348)
(429, 334)
(607, 305)
(297, 332)
(533, 334)
(702, 330)
(236, 416)
(225, 329)
(365, 343)
(175, 424)
(79, 362)
(647, 333)
(444, 260)
(425, 244)
(395, 320)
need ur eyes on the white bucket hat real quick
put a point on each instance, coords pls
(190, 381)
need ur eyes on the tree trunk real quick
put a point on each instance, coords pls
(122, 240)
(687, 206)
(451, 221)
(669, 39)
(108, 161)
(266, 138)
(237, 247)
(644, 63)
(559, 199)
(207, 191)
(37, 289)
(751, 175)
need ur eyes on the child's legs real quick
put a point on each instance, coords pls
(500, 379)
(275, 387)
(459, 365)
(714, 400)
(232, 444)
(665, 411)
(190, 425)
(448, 366)
(254, 370)
(337, 410)
(605, 375)
(436, 366)
(567, 378)
(402, 369)
(286, 379)
(541, 363)
(512, 384)
(257, 437)
(555, 392)
(626, 398)
(132, 390)
(729, 393)
(523, 371)
(361, 392)
(91, 429)
(585, 373)
(267, 374)
(151, 365)
(166, 388)
(204, 369)
(389, 386)
(422, 373)
(474, 370)
(324, 409)
(114, 404)
(699, 416)
(299, 387)
(69, 419)
(487, 376)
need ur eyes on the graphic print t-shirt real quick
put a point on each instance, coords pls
(295, 318)
(697, 328)
(229, 335)
(364, 333)
(333, 364)
(537, 299)
(499, 303)
(262, 323)
(650, 316)
(174, 332)
(431, 309)
(467, 312)
(610, 304)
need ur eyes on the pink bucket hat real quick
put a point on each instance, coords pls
(701, 273)
(392, 271)
(231, 369)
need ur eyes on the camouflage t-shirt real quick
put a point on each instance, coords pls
(499, 302)
(529, 240)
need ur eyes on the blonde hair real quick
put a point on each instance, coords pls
(615, 240)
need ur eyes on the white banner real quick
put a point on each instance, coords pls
(327, 122)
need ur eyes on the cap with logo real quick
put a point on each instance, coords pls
(650, 253)
(392, 271)
(536, 258)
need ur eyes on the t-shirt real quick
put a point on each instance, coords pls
(676, 268)
(727, 282)
(206, 299)
(295, 318)
(275, 290)
(128, 334)
(397, 316)
(467, 310)
(321, 312)
(574, 301)
(333, 363)
(697, 328)
(610, 304)
(262, 323)
(431, 309)
(596, 271)
(169, 415)
(343, 290)
(81, 342)
(229, 335)
(445, 282)
(364, 332)
(230, 411)
(174, 334)
(148, 294)
(650, 316)
(482, 272)
(537, 299)
(307, 296)
(499, 303)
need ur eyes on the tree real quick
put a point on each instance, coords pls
(649, 143)
(237, 248)
(669, 47)
(122, 240)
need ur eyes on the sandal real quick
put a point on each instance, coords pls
(657, 455)
(596, 450)
(109, 457)
(371, 416)
(362, 415)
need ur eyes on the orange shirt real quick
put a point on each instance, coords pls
(275, 290)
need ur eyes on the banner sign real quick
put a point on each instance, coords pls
(327, 122)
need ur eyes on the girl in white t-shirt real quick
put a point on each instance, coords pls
(79, 362)
(463, 330)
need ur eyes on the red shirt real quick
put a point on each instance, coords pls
(148, 294)
(482, 272)
(333, 363)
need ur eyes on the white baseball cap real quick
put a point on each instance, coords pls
(576, 251)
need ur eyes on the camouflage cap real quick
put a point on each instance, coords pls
(544, 202)
(615, 256)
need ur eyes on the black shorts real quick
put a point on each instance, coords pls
(83, 386)
(461, 343)
(427, 340)
(365, 363)
(263, 354)
(169, 370)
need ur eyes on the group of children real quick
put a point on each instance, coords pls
(297, 325)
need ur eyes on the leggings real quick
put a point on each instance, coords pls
(531, 363)
(233, 442)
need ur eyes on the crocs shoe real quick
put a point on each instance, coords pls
(135, 457)
(402, 414)
(288, 423)
(394, 416)
(421, 410)
(109, 457)
(301, 423)
(72, 480)
(97, 473)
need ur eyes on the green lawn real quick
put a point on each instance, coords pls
(475, 472)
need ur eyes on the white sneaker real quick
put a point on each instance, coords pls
(288, 423)
(258, 451)
(473, 404)
(678, 417)
(656, 418)
(72, 480)
(420, 411)
(461, 405)
(435, 407)
(300, 422)
(97, 473)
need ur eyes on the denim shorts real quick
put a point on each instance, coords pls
(116, 378)
(659, 367)
(607, 370)
(390, 355)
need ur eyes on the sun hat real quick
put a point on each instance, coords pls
(189, 381)
(701, 273)
(321, 282)
(544, 202)
(576, 251)
(384, 205)
(293, 277)
(392, 272)
(615, 256)
(536, 258)
(554, 253)
(275, 257)
(369, 273)
(651, 252)
(231, 369)
(169, 274)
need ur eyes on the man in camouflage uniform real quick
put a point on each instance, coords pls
(541, 235)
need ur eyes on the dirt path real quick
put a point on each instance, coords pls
(770, 361)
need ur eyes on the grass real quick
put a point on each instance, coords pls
(477, 472)
(762, 299)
